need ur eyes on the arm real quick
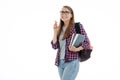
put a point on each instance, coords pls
(55, 45)
(86, 43)
(54, 41)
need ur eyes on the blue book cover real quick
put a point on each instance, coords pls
(77, 40)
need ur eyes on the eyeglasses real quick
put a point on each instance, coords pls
(65, 12)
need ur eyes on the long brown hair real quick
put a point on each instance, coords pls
(70, 25)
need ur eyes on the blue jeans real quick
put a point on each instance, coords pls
(69, 70)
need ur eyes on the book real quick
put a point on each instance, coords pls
(77, 40)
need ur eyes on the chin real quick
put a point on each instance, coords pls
(64, 20)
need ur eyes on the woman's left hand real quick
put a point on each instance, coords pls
(72, 48)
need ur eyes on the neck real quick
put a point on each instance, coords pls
(66, 23)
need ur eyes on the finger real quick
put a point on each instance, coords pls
(73, 35)
(55, 25)
(55, 22)
(69, 48)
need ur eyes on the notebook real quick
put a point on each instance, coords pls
(77, 40)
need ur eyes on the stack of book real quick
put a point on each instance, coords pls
(77, 40)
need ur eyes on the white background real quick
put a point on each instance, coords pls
(26, 30)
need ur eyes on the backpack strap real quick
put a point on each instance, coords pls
(77, 27)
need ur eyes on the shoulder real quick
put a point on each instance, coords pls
(78, 24)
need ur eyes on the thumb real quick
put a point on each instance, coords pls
(73, 35)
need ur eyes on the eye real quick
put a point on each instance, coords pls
(67, 12)
(64, 12)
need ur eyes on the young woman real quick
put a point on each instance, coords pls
(67, 58)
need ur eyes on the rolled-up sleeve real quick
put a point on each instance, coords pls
(86, 42)
(55, 45)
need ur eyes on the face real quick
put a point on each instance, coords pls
(65, 14)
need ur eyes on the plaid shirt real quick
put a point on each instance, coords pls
(70, 55)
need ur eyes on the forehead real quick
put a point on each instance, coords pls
(65, 9)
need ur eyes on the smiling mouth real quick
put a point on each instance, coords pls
(64, 17)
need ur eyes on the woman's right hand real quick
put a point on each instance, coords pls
(56, 28)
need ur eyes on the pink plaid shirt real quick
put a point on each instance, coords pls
(70, 55)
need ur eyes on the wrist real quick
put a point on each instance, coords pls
(79, 48)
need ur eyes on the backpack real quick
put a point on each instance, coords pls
(84, 54)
